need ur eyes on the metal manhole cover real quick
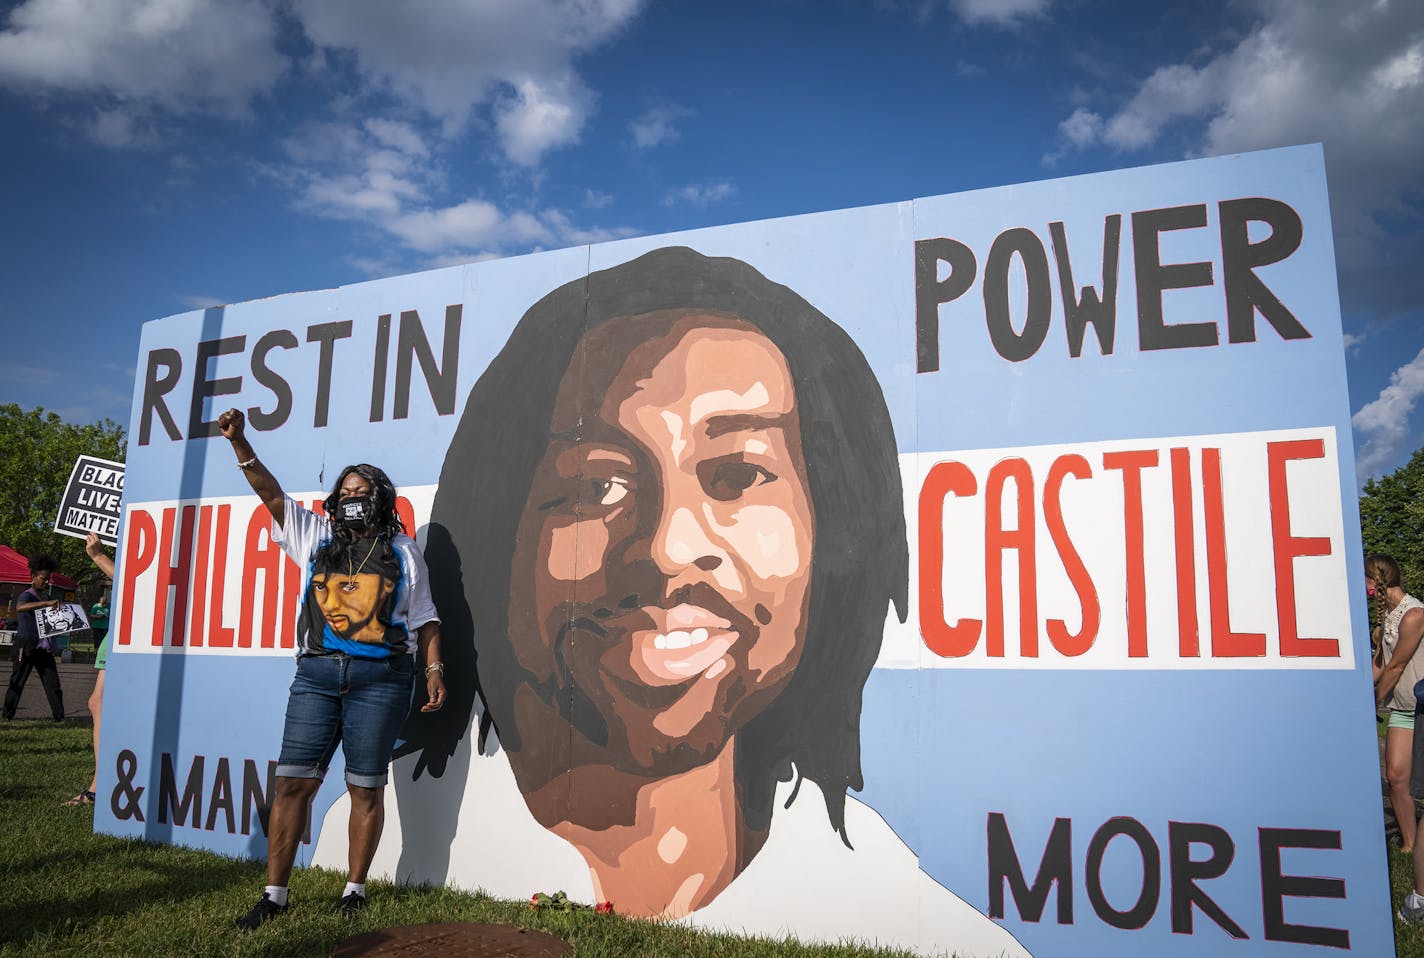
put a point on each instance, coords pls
(454, 940)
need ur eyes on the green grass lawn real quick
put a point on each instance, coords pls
(66, 891)
(1408, 939)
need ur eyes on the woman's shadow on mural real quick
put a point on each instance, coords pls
(438, 739)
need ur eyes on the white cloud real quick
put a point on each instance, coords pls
(373, 193)
(998, 12)
(509, 61)
(477, 229)
(181, 55)
(408, 84)
(119, 129)
(569, 233)
(595, 200)
(397, 136)
(701, 195)
(1081, 128)
(373, 170)
(326, 142)
(504, 67)
(1345, 73)
(1168, 94)
(471, 224)
(657, 126)
(449, 58)
(388, 175)
(1384, 422)
(538, 116)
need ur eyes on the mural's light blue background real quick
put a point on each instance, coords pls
(942, 748)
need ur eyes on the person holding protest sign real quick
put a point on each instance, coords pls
(365, 614)
(95, 550)
(30, 652)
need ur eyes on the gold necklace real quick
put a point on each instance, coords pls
(351, 570)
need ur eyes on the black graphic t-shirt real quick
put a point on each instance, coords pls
(370, 600)
(350, 600)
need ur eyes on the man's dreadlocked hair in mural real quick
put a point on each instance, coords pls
(859, 562)
(387, 523)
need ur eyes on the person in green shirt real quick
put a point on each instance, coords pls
(99, 621)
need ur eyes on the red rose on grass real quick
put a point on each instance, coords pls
(604, 908)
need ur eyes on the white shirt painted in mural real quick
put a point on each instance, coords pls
(803, 882)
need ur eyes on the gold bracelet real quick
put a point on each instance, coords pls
(435, 667)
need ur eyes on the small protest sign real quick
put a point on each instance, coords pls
(92, 499)
(60, 619)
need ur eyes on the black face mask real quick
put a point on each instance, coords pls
(356, 511)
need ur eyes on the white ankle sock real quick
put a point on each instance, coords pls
(278, 894)
(1415, 900)
(357, 887)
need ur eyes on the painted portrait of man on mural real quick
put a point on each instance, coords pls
(671, 526)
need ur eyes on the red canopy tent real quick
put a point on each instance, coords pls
(16, 568)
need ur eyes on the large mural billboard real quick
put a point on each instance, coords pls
(973, 574)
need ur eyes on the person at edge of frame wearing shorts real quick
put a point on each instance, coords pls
(365, 613)
(1411, 910)
(1398, 666)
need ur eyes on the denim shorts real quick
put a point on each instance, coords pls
(360, 703)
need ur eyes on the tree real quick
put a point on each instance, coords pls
(1392, 519)
(37, 454)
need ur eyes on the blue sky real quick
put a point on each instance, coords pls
(161, 155)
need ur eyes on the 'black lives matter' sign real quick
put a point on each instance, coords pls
(91, 500)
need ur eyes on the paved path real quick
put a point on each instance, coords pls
(76, 681)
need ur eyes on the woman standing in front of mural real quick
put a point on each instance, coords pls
(674, 506)
(1399, 667)
(366, 611)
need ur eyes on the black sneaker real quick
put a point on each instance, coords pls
(264, 911)
(352, 903)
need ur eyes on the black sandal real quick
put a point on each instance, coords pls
(85, 797)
